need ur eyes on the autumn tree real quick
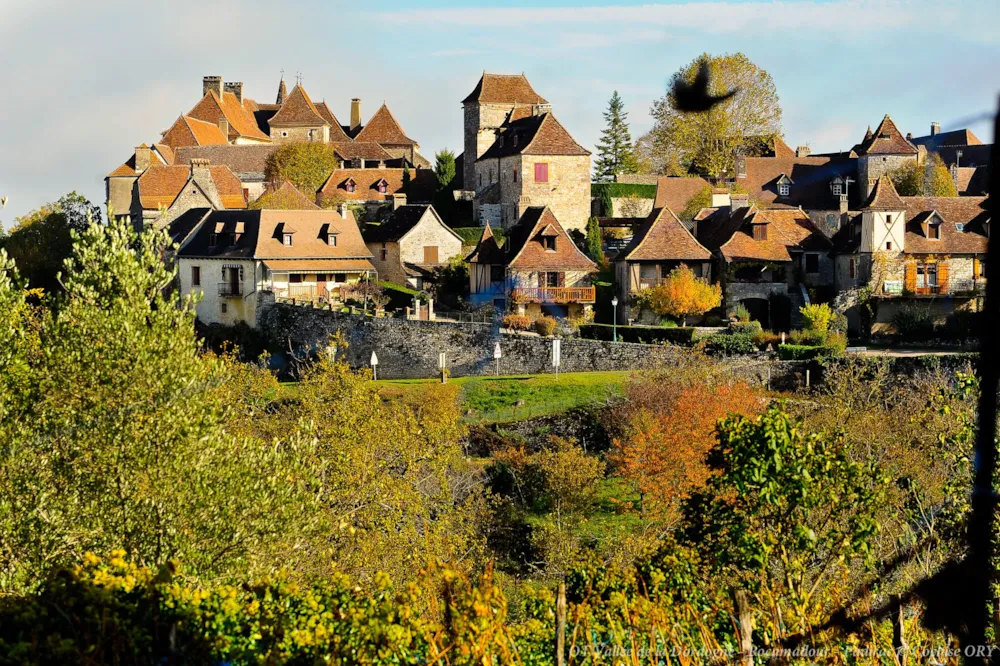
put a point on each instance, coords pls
(682, 294)
(931, 178)
(707, 143)
(307, 164)
(615, 153)
(703, 199)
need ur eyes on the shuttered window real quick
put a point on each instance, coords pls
(541, 172)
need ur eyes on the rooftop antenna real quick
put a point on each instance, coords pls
(282, 73)
(298, 78)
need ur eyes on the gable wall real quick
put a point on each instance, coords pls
(428, 232)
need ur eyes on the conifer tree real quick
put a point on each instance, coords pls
(615, 153)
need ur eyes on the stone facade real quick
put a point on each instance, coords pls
(870, 167)
(632, 206)
(481, 122)
(119, 191)
(215, 308)
(285, 134)
(566, 192)
(414, 247)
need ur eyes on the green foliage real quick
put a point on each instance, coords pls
(748, 327)
(706, 143)
(701, 200)
(817, 317)
(472, 235)
(730, 344)
(807, 352)
(929, 179)
(307, 164)
(643, 334)
(622, 190)
(545, 326)
(914, 322)
(40, 241)
(614, 150)
(400, 296)
(444, 167)
(451, 281)
(741, 313)
(594, 245)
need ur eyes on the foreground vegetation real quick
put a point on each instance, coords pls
(163, 504)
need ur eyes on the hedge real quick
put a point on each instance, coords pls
(807, 352)
(400, 296)
(471, 235)
(730, 344)
(618, 190)
(646, 334)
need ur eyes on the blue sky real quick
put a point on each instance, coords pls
(84, 83)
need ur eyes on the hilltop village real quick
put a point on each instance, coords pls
(784, 230)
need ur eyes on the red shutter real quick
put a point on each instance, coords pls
(541, 172)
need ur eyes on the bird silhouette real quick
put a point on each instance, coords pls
(694, 97)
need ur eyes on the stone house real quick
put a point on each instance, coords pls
(375, 188)
(882, 152)
(658, 246)
(766, 259)
(162, 193)
(410, 244)
(234, 258)
(538, 271)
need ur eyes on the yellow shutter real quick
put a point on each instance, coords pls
(943, 275)
(910, 278)
(975, 268)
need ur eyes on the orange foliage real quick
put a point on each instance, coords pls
(670, 429)
(683, 294)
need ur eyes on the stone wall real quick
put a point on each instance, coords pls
(567, 191)
(631, 206)
(637, 178)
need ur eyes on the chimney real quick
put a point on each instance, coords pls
(142, 158)
(738, 201)
(213, 83)
(343, 210)
(235, 87)
(224, 128)
(398, 199)
(720, 198)
(200, 168)
(355, 113)
(935, 128)
(909, 136)
(843, 205)
(802, 151)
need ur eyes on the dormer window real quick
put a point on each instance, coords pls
(382, 188)
(838, 188)
(934, 230)
(349, 185)
(959, 226)
(549, 243)
(331, 240)
(286, 240)
(784, 189)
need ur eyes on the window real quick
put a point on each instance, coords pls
(831, 221)
(851, 268)
(196, 276)
(888, 245)
(430, 254)
(212, 238)
(541, 172)
(784, 189)
(349, 186)
(496, 273)
(927, 276)
(837, 189)
(549, 243)
(295, 278)
(381, 187)
(340, 277)
(934, 231)
(515, 175)
(959, 226)
(384, 254)
(246, 194)
(287, 239)
(224, 307)
(331, 240)
(552, 279)
(284, 134)
(320, 277)
(812, 263)
(888, 219)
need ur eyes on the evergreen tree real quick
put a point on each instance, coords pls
(615, 153)
(444, 167)
(594, 250)
(406, 180)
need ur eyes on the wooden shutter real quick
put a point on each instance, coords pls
(975, 268)
(430, 254)
(910, 278)
(943, 275)
(561, 280)
(541, 172)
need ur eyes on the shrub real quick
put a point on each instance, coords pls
(517, 322)
(668, 323)
(963, 324)
(730, 344)
(741, 313)
(839, 323)
(749, 327)
(914, 321)
(808, 352)
(683, 294)
(817, 316)
(621, 190)
(645, 334)
(764, 338)
(809, 338)
(545, 326)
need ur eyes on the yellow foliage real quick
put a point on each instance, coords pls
(682, 294)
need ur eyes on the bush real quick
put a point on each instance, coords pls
(808, 338)
(668, 323)
(817, 317)
(914, 321)
(645, 334)
(808, 352)
(963, 324)
(545, 326)
(517, 322)
(621, 190)
(741, 313)
(730, 344)
(749, 327)
(764, 338)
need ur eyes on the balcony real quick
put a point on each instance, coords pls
(554, 295)
(306, 292)
(649, 283)
(229, 289)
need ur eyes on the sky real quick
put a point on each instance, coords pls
(83, 83)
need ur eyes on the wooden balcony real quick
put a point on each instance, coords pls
(554, 294)
(230, 289)
(649, 283)
(305, 292)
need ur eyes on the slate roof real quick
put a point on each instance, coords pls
(675, 192)
(534, 135)
(788, 230)
(423, 184)
(886, 140)
(663, 237)
(967, 211)
(383, 128)
(811, 178)
(504, 89)
(883, 196)
(160, 185)
(400, 222)
(188, 131)
(972, 156)
(524, 248)
(247, 161)
(298, 110)
(959, 137)
(212, 109)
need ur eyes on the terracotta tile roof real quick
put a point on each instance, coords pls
(211, 110)
(884, 196)
(811, 178)
(954, 138)
(384, 129)
(298, 110)
(675, 193)
(886, 140)
(973, 181)
(188, 131)
(504, 89)
(524, 247)
(336, 131)
(126, 169)
(364, 150)
(284, 197)
(968, 211)
(782, 149)
(247, 161)
(423, 184)
(165, 153)
(487, 250)
(663, 237)
(160, 185)
(788, 230)
(534, 135)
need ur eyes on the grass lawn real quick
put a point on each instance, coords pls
(517, 397)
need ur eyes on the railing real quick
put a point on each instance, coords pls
(230, 289)
(308, 292)
(649, 283)
(554, 294)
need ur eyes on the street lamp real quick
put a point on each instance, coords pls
(614, 319)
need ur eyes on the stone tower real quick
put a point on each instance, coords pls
(882, 152)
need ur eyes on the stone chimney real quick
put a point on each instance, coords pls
(200, 167)
(224, 128)
(935, 128)
(738, 201)
(921, 154)
(211, 83)
(909, 136)
(843, 205)
(235, 87)
(802, 151)
(953, 169)
(355, 113)
(398, 200)
(143, 155)
(720, 198)
(201, 174)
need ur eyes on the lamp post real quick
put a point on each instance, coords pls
(614, 319)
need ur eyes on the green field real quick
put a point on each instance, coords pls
(517, 397)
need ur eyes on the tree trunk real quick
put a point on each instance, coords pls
(561, 626)
(744, 621)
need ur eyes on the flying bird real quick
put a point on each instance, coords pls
(694, 97)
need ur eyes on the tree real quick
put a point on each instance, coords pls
(707, 143)
(306, 163)
(594, 249)
(701, 200)
(406, 179)
(682, 295)
(444, 167)
(41, 241)
(931, 178)
(614, 150)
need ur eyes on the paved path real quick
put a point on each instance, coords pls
(911, 351)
